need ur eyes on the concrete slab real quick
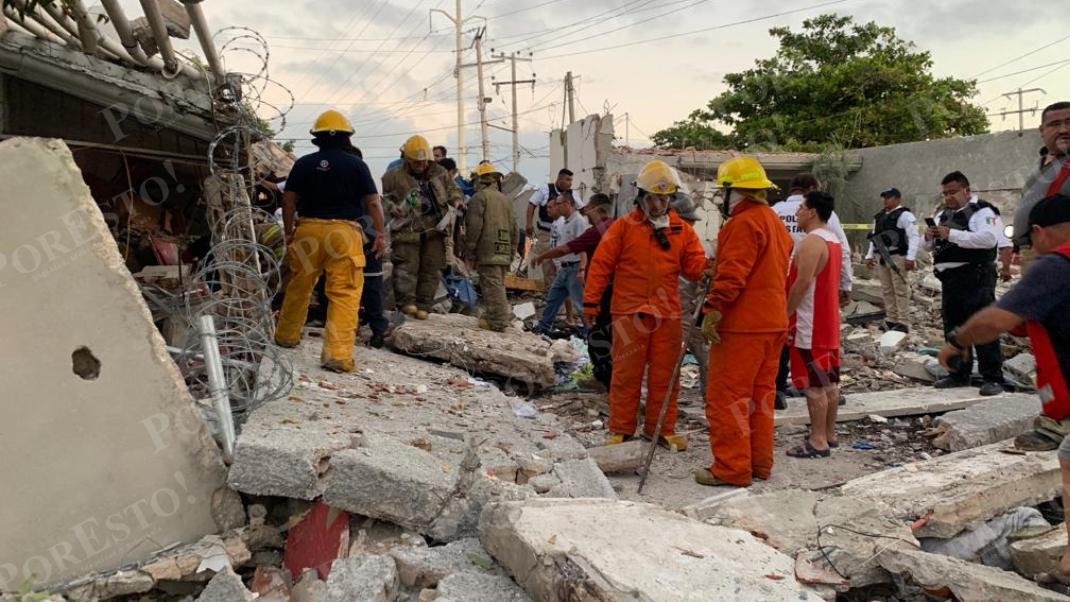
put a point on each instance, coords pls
(960, 490)
(562, 550)
(122, 463)
(363, 578)
(1040, 554)
(425, 567)
(480, 587)
(284, 461)
(457, 339)
(987, 422)
(900, 402)
(581, 479)
(967, 581)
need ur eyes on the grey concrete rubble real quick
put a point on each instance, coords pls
(967, 582)
(513, 354)
(1040, 554)
(620, 458)
(1023, 367)
(987, 422)
(989, 542)
(914, 401)
(960, 490)
(561, 550)
(168, 461)
(285, 462)
(226, 587)
(480, 587)
(425, 567)
(581, 479)
(801, 523)
(363, 578)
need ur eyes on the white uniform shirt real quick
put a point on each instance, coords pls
(786, 209)
(984, 233)
(541, 196)
(906, 222)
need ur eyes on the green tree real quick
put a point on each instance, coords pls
(838, 82)
(695, 131)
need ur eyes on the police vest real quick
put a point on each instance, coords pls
(1052, 373)
(886, 226)
(948, 252)
(544, 213)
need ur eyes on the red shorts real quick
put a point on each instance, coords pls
(814, 367)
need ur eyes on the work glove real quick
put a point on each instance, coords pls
(709, 327)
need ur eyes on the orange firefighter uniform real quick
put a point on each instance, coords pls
(749, 294)
(647, 321)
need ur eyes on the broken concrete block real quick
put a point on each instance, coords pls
(1023, 367)
(121, 583)
(988, 422)
(968, 582)
(544, 483)
(989, 542)
(1040, 554)
(868, 291)
(480, 587)
(425, 567)
(121, 428)
(188, 563)
(226, 587)
(581, 479)
(561, 550)
(932, 284)
(560, 448)
(524, 311)
(892, 341)
(892, 403)
(624, 457)
(364, 578)
(520, 356)
(790, 520)
(963, 489)
(860, 336)
(386, 479)
(915, 366)
(283, 461)
(460, 517)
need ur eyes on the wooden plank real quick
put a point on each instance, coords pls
(900, 402)
(524, 284)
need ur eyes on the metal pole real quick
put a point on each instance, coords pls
(484, 134)
(217, 385)
(461, 152)
(516, 129)
(571, 103)
(204, 36)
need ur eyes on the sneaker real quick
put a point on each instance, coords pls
(949, 382)
(989, 389)
(377, 341)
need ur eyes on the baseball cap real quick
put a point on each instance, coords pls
(1050, 211)
(891, 192)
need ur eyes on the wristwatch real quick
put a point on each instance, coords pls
(953, 339)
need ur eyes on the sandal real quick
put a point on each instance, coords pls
(808, 451)
(832, 444)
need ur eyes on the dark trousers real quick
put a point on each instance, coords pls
(783, 373)
(371, 300)
(966, 291)
(600, 341)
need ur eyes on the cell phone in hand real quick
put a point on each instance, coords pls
(930, 222)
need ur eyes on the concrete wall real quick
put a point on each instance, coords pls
(996, 165)
(107, 460)
(584, 149)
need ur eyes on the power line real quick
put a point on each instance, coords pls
(361, 14)
(525, 9)
(1018, 58)
(623, 27)
(992, 79)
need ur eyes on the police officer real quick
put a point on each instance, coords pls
(963, 241)
(335, 195)
(896, 229)
(419, 194)
(491, 235)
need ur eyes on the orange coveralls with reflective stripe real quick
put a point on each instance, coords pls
(647, 323)
(749, 289)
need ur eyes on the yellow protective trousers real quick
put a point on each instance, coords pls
(335, 247)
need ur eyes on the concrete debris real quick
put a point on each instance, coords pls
(271, 584)
(524, 311)
(480, 587)
(624, 457)
(892, 403)
(560, 448)
(544, 483)
(1040, 554)
(919, 367)
(163, 483)
(1023, 367)
(709, 507)
(960, 490)
(931, 284)
(283, 461)
(965, 581)
(987, 422)
(226, 587)
(425, 567)
(581, 479)
(363, 579)
(380, 537)
(821, 531)
(561, 550)
(184, 564)
(457, 339)
(868, 291)
(859, 335)
(989, 542)
(891, 341)
(121, 583)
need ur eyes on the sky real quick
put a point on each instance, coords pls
(389, 64)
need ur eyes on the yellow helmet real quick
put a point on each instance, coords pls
(417, 148)
(486, 169)
(656, 177)
(743, 172)
(332, 121)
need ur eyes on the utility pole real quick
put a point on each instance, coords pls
(483, 100)
(570, 93)
(458, 22)
(627, 130)
(1021, 111)
(513, 82)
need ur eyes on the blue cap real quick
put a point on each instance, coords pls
(891, 192)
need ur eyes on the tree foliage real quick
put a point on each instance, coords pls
(842, 83)
(695, 132)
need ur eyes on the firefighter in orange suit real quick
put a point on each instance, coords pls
(643, 253)
(745, 322)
